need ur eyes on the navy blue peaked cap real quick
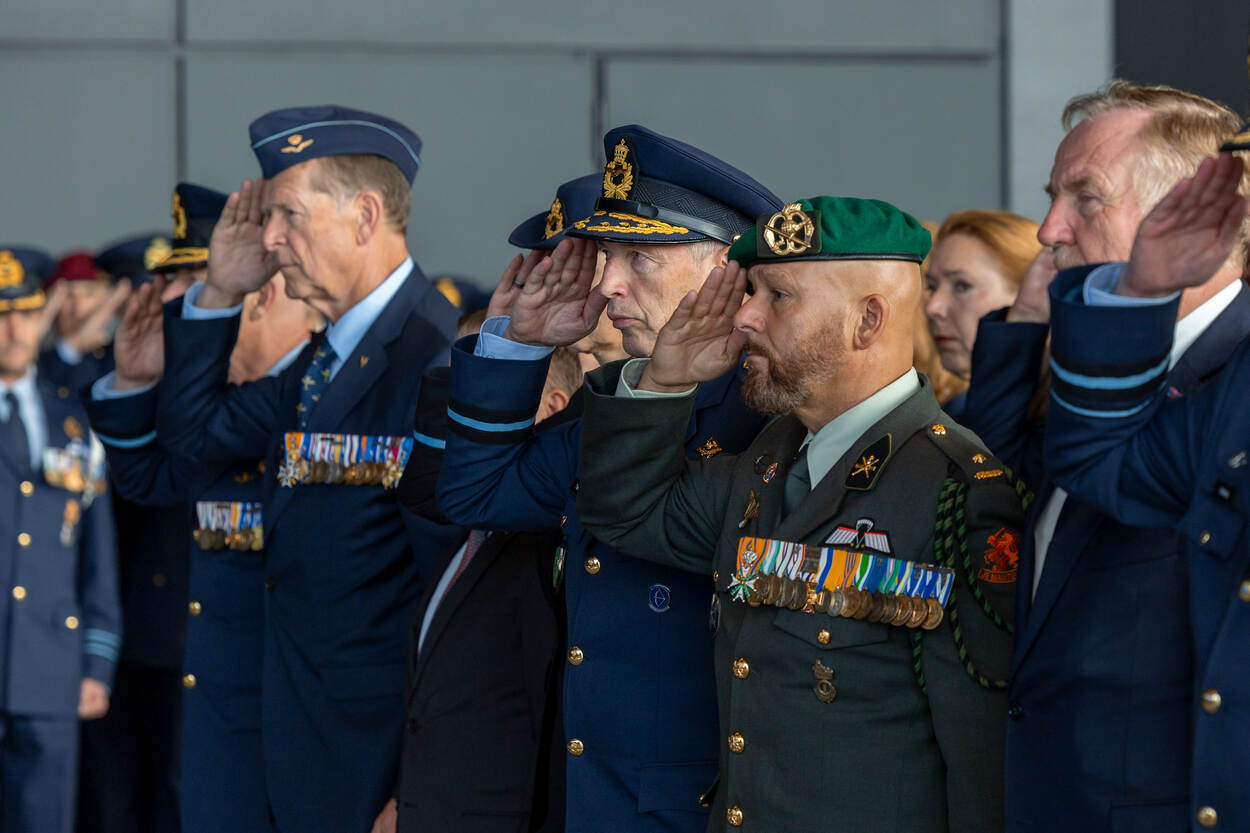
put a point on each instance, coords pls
(287, 137)
(22, 272)
(134, 258)
(196, 210)
(660, 190)
(574, 200)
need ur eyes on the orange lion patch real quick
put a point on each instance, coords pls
(1002, 558)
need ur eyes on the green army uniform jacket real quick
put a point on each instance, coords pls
(909, 741)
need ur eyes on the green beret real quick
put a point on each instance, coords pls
(834, 228)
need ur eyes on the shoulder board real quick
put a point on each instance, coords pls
(967, 452)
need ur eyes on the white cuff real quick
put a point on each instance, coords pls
(68, 354)
(491, 343)
(191, 312)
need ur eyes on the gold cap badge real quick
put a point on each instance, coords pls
(11, 271)
(555, 220)
(618, 175)
(157, 251)
(296, 144)
(789, 231)
(180, 217)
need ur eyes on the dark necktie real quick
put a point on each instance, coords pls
(314, 382)
(798, 482)
(13, 434)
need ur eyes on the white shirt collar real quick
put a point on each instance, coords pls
(345, 334)
(832, 441)
(1189, 328)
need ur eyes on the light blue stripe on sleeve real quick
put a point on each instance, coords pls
(427, 440)
(1109, 382)
(1128, 412)
(494, 427)
(137, 442)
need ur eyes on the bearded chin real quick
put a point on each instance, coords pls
(772, 394)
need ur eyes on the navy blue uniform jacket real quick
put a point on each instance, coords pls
(1100, 716)
(640, 706)
(344, 567)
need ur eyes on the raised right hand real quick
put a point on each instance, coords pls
(1032, 302)
(139, 346)
(236, 259)
(557, 303)
(699, 342)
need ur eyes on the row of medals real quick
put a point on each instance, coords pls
(357, 474)
(849, 602)
(241, 539)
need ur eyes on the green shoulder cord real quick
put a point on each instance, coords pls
(951, 533)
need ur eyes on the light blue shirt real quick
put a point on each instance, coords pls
(343, 335)
(491, 343)
(30, 409)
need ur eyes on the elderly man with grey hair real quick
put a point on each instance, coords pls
(1101, 712)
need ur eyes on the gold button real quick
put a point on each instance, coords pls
(1244, 591)
(940, 430)
(19, 592)
(823, 637)
(1211, 701)
(188, 681)
(27, 488)
(195, 608)
(23, 540)
(576, 747)
(592, 565)
(734, 816)
(1207, 816)
(737, 743)
(715, 576)
(576, 656)
(741, 668)
(62, 392)
(71, 622)
(158, 579)
(1204, 538)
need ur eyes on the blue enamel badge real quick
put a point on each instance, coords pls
(659, 598)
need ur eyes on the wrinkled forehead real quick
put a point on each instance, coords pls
(1101, 147)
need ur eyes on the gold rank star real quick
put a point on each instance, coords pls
(867, 465)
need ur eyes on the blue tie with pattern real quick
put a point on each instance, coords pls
(314, 382)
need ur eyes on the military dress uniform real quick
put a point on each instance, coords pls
(854, 693)
(222, 783)
(344, 566)
(639, 693)
(1122, 437)
(59, 613)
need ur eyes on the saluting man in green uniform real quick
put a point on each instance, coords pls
(862, 550)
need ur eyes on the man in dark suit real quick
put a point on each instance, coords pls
(344, 566)
(1101, 713)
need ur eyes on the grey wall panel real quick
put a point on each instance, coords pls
(746, 25)
(924, 135)
(87, 147)
(499, 134)
(91, 20)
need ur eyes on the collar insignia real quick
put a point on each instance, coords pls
(157, 251)
(870, 462)
(861, 536)
(791, 231)
(11, 271)
(618, 175)
(296, 144)
(364, 360)
(450, 291)
(710, 449)
(555, 220)
(751, 512)
(180, 217)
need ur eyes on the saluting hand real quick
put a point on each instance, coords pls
(556, 303)
(1190, 234)
(139, 346)
(96, 329)
(237, 262)
(699, 342)
(510, 284)
(1032, 302)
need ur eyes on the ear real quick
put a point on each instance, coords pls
(874, 313)
(264, 301)
(554, 400)
(722, 257)
(370, 215)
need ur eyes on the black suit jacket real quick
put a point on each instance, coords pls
(482, 739)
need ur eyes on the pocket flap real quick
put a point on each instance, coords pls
(843, 633)
(674, 786)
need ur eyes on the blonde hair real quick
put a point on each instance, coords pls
(1183, 130)
(1011, 239)
(925, 357)
(343, 176)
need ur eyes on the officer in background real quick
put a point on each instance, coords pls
(130, 768)
(84, 302)
(859, 549)
(640, 737)
(344, 566)
(59, 614)
(222, 765)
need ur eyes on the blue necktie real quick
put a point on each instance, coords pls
(314, 382)
(13, 434)
(798, 482)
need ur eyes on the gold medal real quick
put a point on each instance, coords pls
(919, 612)
(823, 598)
(74, 481)
(836, 602)
(903, 612)
(935, 615)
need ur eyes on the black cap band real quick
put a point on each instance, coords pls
(667, 215)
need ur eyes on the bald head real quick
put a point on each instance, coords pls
(824, 335)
